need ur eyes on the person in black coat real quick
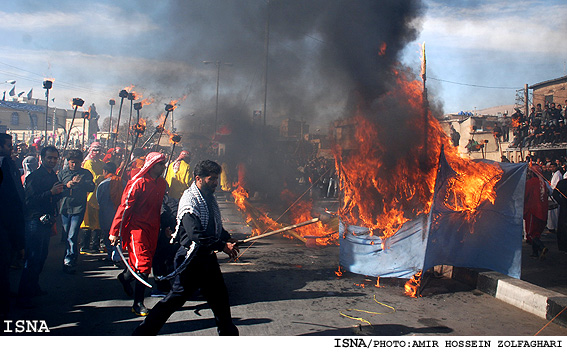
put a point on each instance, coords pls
(12, 225)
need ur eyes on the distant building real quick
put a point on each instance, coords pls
(552, 91)
(477, 134)
(25, 120)
(291, 128)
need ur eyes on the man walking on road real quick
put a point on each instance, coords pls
(42, 191)
(137, 223)
(200, 233)
(78, 183)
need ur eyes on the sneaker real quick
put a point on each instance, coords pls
(126, 285)
(140, 309)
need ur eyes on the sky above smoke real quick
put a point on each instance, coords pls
(478, 52)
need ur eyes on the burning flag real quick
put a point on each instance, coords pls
(412, 205)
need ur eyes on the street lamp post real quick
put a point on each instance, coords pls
(47, 85)
(218, 63)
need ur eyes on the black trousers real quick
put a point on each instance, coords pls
(202, 273)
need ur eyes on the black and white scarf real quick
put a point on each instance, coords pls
(193, 202)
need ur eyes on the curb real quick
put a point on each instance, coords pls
(533, 299)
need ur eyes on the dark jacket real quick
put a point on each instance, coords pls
(12, 224)
(191, 230)
(37, 190)
(74, 199)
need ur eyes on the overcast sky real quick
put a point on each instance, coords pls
(478, 52)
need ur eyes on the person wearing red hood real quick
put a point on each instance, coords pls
(137, 223)
(535, 210)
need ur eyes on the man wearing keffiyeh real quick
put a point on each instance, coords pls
(137, 223)
(200, 232)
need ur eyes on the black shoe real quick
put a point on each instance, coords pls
(140, 309)
(126, 285)
(68, 269)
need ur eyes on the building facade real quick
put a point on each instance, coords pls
(25, 119)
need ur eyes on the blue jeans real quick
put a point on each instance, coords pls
(37, 247)
(71, 226)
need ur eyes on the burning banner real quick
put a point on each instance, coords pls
(411, 202)
(490, 240)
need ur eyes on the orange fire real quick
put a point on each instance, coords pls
(300, 211)
(147, 101)
(383, 191)
(260, 222)
(382, 51)
(161, 121)
(136, 96)
(412, 286)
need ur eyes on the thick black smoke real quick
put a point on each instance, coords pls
(326, 59)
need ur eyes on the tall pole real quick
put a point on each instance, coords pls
(217, 103)
(77, 102)
(111, 102)
(266, 52)
(131, 97)
(218, 63)
(425, 102)
(526, 100)
(47, 84)
(123, 94)
(85, 117)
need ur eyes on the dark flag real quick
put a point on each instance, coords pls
(30, 94)
(13, 91)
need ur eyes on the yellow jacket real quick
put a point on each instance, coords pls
(178, 181)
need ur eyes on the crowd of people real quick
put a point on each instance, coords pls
(545, 202)
(127, 208)
(543, 126)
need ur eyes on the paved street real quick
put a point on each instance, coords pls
(279, 287)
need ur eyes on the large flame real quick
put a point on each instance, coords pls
(382, 194)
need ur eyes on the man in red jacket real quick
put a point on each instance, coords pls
(137, 223)
(535, 210)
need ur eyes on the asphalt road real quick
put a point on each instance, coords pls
(279, 287)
